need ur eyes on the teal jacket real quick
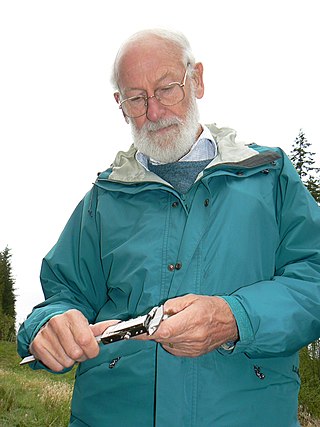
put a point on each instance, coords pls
(247, 231)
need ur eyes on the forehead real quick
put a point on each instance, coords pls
(147, 62)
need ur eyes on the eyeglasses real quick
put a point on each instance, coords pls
(171, 94)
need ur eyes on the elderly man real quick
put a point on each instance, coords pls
(223, 234)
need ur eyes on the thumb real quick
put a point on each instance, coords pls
(100, 327)
(175, 305)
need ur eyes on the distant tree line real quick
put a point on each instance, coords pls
(7, 298)
(303, 159)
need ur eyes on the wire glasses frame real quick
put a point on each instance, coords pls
(168, 95)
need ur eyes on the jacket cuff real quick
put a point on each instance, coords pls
(43, 322)
(25, 338)
(243, 322)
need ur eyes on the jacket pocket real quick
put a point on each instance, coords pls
(117, 387)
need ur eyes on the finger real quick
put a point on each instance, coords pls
(64, 347)
(100, 327)
(84, 345)
(56, 362)
(174, 328)
(143, 337)
(48, 350)
(72, 331)
(75, 339)
(175, 349)
(177, 304)
(182, 350)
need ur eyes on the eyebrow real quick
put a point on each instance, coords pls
(157, 82)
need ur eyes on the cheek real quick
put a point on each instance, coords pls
(179, 111)
(139, 122)
(183, 107)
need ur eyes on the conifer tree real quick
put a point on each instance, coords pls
(301, 157)
(313, 185)
(7, 297)
(303, 161)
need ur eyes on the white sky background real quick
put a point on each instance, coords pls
(59, 124)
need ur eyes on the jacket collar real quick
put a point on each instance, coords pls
(126, 168)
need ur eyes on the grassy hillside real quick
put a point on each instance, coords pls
(31, 398)
(40, 399)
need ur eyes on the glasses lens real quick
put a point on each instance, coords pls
(134, 106)
(170, 95)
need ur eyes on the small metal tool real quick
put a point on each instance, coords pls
(126, 329)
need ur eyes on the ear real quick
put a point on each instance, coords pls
(117, 98)
(198, 79)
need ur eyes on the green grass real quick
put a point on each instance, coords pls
(32, 398)
(309, 397)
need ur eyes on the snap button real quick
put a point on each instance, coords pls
(206, 202)
(175, 204)
(178, 266)
(240, 173)
(171, 267)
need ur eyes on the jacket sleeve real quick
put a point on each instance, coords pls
(72, 276)
(277, 317)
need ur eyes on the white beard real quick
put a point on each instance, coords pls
(174, 143)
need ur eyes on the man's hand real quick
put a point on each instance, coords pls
(197, 324)
(67, 338)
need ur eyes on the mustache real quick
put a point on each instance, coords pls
(161, 124)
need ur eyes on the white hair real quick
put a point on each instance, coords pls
(177, 39)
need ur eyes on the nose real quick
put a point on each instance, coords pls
(155, 110)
